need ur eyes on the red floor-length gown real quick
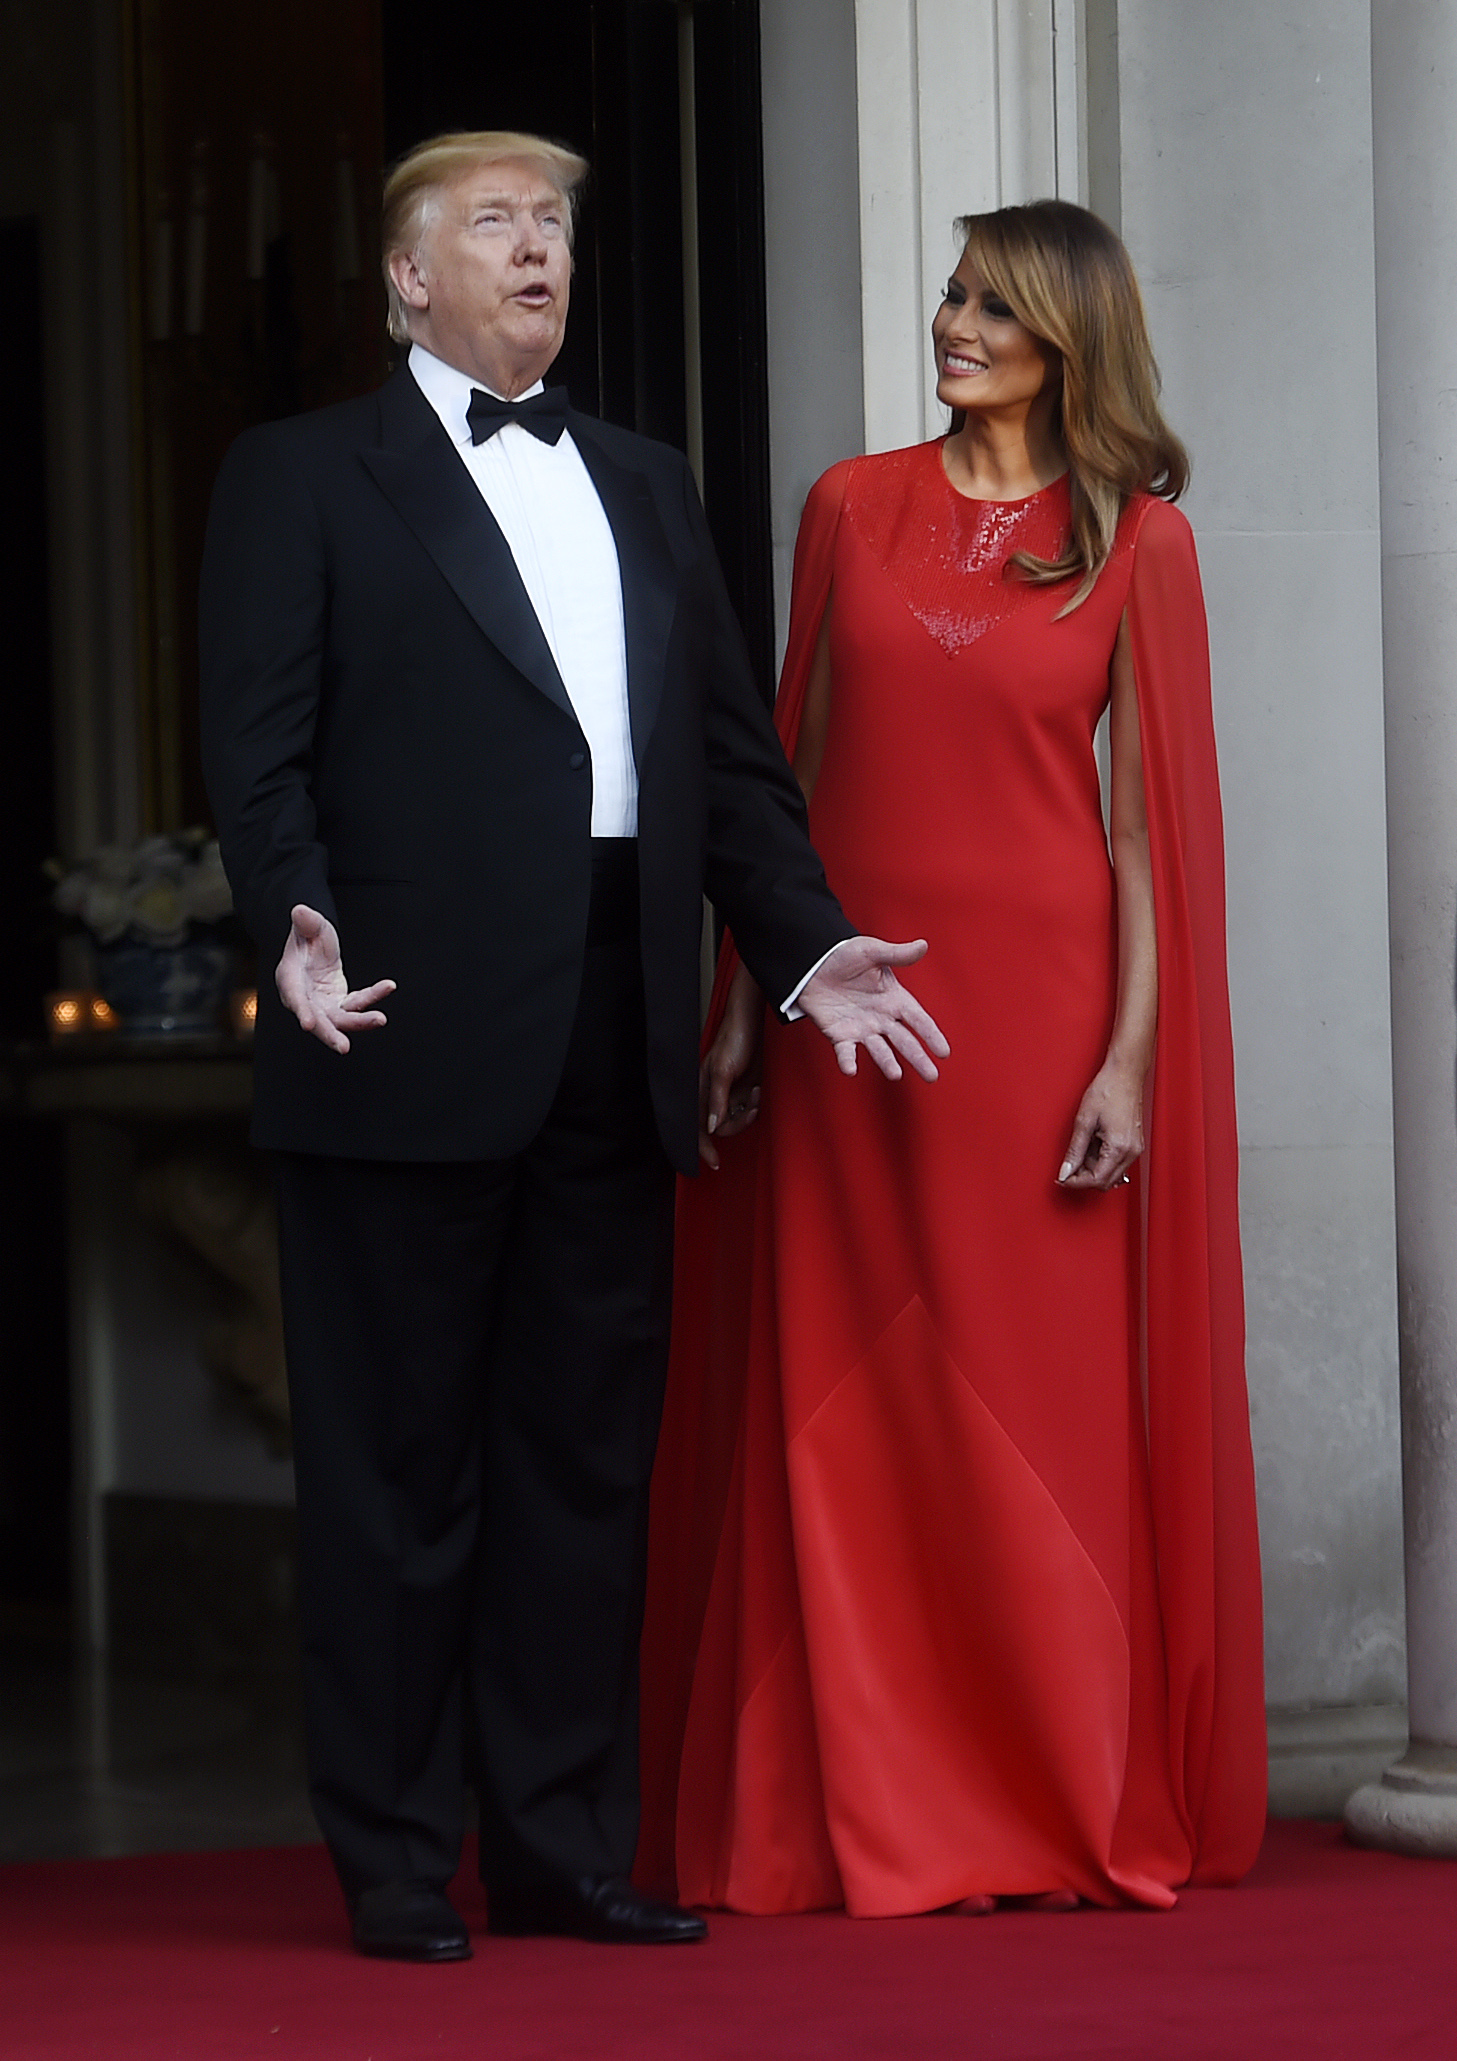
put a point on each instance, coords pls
(954, 1574)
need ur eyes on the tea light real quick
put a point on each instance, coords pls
(243, 1011)
(73, 1010)
(67, 1013)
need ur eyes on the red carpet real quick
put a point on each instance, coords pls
(1325, 1952)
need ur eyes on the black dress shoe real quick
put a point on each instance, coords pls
(594, 1908)
(408, 1921)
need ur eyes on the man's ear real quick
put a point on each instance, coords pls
(410, 282)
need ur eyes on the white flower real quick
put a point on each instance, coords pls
(157, 912)
(156, 888)
(206, 896)
(105, 910)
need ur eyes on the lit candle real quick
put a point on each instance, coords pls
(67, 1013)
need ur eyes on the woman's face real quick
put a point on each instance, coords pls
(985, 359)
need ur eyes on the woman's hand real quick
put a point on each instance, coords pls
(1108, 1134)
(728, 1079)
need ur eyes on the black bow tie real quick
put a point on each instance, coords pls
(545, 414)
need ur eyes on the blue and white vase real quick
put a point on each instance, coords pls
(165, 991)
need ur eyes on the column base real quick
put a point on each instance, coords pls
(1321, 1755)
(1413, 1808)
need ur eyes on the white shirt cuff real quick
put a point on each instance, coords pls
(787, 1008)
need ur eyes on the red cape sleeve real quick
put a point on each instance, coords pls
(704, 1400)
(1200, 1462)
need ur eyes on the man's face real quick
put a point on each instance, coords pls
(489, 284)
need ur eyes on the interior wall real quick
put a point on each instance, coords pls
(1246, 199)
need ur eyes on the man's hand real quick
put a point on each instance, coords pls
(855, 999)
(310, 979)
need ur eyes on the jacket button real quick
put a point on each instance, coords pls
(577, 760)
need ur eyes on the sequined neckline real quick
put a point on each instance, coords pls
(948, 556)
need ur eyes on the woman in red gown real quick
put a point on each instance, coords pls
(954, 1586)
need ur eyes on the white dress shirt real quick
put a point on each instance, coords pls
(547, 508)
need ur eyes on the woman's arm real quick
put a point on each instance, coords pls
(1108, 1134)
(728, 1079)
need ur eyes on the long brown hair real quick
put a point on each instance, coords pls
(1068, 279)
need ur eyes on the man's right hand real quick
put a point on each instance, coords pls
(310, 980)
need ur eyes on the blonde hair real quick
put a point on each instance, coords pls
(413, 187)
(1068, 279)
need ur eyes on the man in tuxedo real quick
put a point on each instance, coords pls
(478, 719)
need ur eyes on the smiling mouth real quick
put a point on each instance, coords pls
(954, 363)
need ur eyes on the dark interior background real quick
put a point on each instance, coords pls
(34, 1412)
(600, 75)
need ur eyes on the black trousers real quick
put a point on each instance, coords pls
(476, 1360)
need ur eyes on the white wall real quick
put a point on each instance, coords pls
(1247, 205)
(1234, 139)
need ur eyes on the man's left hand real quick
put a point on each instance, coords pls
(311, 983)
(856, 999)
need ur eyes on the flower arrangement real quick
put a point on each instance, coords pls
(164, 937)
(154, 891)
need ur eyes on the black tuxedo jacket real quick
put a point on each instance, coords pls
(386, 737)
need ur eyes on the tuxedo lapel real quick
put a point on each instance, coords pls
(649, 578)
(430, 488)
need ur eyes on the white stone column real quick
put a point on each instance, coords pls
(963, 105)
(1244, 168)
(919, 111)
(1413, 1809)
